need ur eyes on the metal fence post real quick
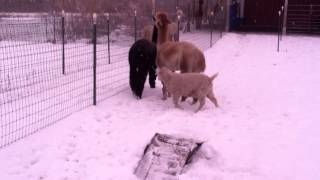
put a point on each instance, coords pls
(135, 25)
(310, 18)
(222, 20)
(285, 15)
(279, 28)
(63, 34)
(94, 41)
(211, 26)
(189, 19)
(193, 11)
(54, 27)
(108, 31)
(178, 28)
(46, 22)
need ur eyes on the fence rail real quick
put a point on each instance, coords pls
(53, 66)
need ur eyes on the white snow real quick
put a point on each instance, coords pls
(266, 128)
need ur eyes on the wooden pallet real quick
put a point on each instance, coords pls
(165, 157)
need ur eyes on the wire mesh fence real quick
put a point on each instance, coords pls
(34, 93)
(52, 66)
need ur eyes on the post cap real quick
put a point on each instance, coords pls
(94, 18)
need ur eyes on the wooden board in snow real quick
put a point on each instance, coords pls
(165, 157)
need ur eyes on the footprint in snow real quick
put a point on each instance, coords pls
(34, 161)
(97, 119)
(107, 116)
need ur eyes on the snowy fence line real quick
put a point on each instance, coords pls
(47, 65)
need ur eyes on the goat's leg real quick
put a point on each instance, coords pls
(213, 99)
(183, 98)
(202, 101)
(194, 101)
(175, 99)
(164, 92)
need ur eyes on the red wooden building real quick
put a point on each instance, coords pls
(297, 16)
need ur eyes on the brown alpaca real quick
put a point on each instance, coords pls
(182, 56)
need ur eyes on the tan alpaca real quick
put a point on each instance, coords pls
(162, 23)
(194, 85)
(183, 56)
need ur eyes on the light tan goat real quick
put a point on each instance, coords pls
(196, 85)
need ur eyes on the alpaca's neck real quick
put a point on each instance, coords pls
(163, 35)
(155, 34)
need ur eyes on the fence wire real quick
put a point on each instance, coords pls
(46, 65)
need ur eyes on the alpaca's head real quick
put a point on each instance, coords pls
(162, 19)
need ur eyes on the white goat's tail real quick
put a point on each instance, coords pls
(214, 76)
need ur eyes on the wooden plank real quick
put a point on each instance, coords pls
(165, 157)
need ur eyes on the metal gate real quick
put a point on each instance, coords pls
(303, 18)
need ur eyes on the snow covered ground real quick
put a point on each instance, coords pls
(266, 128)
